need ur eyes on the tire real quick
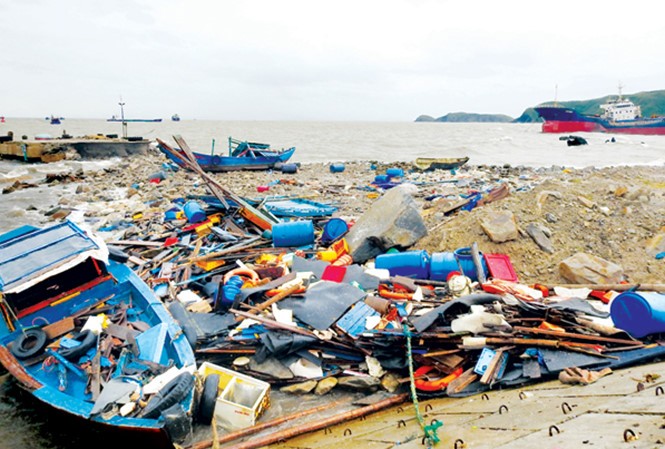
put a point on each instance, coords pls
(172, 393)
(87, 338)
(208, 399)
(29, 343)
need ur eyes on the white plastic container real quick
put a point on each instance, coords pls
(242, 399)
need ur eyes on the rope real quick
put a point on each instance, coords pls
(431, 429)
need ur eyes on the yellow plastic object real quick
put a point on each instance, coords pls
(340, 247)
(208, 265)
(204, 229)
(328, 255)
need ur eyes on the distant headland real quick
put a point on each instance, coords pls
(652, 103)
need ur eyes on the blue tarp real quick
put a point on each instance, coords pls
(30, 253)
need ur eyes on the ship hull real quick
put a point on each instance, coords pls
(567, 120)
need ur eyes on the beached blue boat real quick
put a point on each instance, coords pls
(242, 155)
(86, 335)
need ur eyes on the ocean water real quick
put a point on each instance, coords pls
(25, 423)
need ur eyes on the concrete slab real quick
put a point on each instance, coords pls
(598, 431)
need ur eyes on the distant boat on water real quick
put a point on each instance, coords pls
(175, 118)
(117, 119)
(620, 116)
(54, 120)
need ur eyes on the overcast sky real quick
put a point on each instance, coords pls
(384, 60)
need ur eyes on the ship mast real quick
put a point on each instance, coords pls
(620, 87)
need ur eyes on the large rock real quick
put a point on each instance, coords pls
(539, 236)
(500, 226)
(583, 268)
(392, 221)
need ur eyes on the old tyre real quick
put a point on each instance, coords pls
(29, 343)
(172, 393)
(208, 399)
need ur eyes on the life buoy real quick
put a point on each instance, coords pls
(172, 393)
(436, 384)
(208, 398)
(242, 272)
(29, 343)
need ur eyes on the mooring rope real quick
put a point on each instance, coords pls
(431, 429)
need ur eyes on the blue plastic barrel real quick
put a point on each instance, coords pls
(289, 168)
(381, 178)
(465, 261)
(334, 229)
(293, 233)
(194, 212)
(336, 168)
(394, 172)
(441, 265)
(639, 313)
(413, 264)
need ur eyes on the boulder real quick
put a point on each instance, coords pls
(539, 235)
(583, 268)
(394, 220)
(500, 226)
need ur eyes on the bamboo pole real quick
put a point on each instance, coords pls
(266, 425)
(321, 424)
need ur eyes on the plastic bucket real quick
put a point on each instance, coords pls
(414, 264)
(194, 212)
(289, 168)
(293, 233)
(336, 168)
(465, 261)
(441, 265)
(394, 172)
(639, 313)
(334, 229)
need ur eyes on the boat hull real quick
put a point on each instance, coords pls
(230, 163)
(566, 120)
(63, 274)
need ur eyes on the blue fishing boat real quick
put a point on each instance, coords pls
(85, 335)
(242, 155)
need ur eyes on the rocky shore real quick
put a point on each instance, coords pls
(613, 213)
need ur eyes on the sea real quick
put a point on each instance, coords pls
(27, 424)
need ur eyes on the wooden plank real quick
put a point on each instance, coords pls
(55, 330)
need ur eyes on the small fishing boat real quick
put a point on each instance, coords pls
(55, 120)
(242, 155)
(439, 163)
(85, 335)
(175, 118)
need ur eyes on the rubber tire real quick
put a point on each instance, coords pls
(73, 354)
(208, 399)
(172, 393)
(34, 338)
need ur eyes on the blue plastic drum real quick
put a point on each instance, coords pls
(639, 313)
(334, 229)
(413, 264)
(293, 233)
(194, 212)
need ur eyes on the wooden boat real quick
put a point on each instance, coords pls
(87, 336)
(242, 155)
(439, 163)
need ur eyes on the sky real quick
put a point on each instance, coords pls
(361, 60)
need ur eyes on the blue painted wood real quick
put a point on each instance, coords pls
(122, 288)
